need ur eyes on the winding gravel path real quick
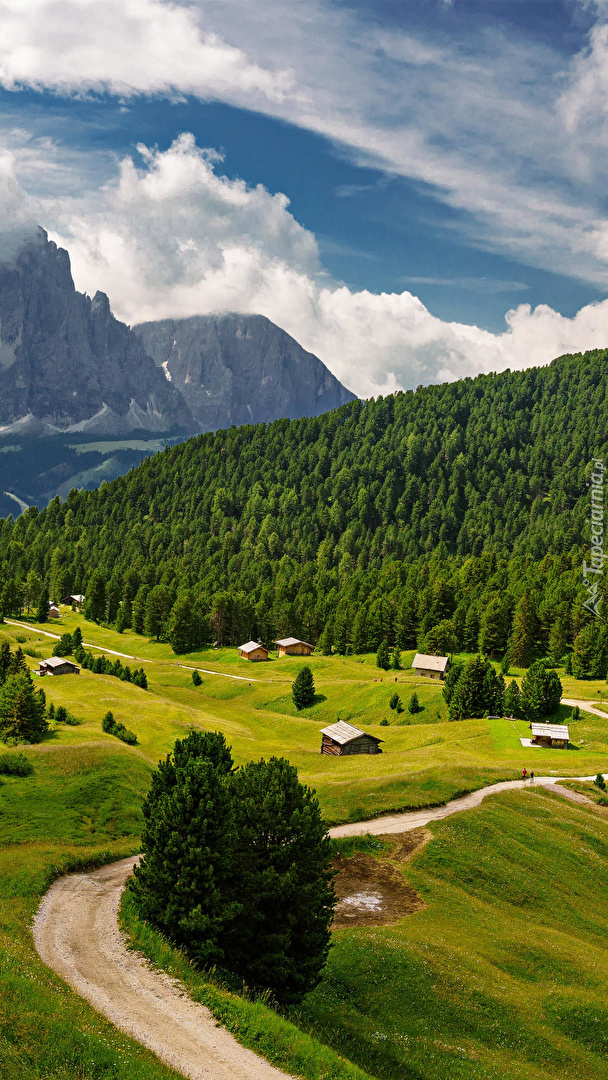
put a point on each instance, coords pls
(76, 933)
(414, 819)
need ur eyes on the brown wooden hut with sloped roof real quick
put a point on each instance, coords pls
(252, 650)
(342, 738)
(292, 646)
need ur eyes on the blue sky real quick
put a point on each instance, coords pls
(385, 180)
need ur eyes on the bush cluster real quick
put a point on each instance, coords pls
(114, 727)
(100, 665)
(15, 765)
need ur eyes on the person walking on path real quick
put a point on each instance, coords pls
(532, 776)
(524, 775)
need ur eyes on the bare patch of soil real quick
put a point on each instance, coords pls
(374, 892)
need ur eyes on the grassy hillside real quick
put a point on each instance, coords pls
(466, 972)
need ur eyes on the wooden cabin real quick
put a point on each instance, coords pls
(75, 600)
(343, 738)
(292, 646)
(252, 650)
(555, 735)
(54, 611)
(432, 667)
(58, 665)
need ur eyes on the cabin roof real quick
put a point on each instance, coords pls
(554, 731)
(431, 663)
(250, 646)
(344, 733)
(292, 641)
(57, 661)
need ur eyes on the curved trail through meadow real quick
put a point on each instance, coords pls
(76, 933)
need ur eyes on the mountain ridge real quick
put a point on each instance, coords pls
(240, 369)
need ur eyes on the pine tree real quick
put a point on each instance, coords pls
(590, 652)
(42, 611)
(396, 659)
(479, 691)
(279, 939)
(77, 638)
(522, 643)
(512, 701)
(454, 672)
(188, 629)
(95, 602)
(158, 608)
(505, 664)
(303, 688)
(395, 701)
(139, 608)
(326, 640)
(558, 642)
(494, 627)
(22, 709)
(413, 705)
(182, 882)
(541, 691)
(383, 656)
(196, 679)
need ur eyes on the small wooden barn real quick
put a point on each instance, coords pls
(252, 650)
(58, 665)
(555, 735)
(75, 600)
(432, 667)
(343, 738)
(54, 611)
(292, 646)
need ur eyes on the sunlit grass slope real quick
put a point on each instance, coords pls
(426, 759)
(504, 974)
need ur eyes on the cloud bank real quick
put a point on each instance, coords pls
(171, 236)
(505, 130)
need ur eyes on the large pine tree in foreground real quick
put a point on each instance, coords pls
(235, 866)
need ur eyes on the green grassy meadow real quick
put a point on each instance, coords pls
(478, 984)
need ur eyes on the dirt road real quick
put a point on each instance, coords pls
(76, 933)
(414, 819)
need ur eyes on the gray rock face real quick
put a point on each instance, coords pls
(240, 369)
(67, 364)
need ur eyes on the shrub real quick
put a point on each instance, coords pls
(413, 705)
(395, 701)
(384, 722)
(600, 782)
(61, 714)
(575, 714)
(196, 679)
(114, 727)
(15, 765)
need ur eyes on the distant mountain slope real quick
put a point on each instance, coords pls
(240, 369)
(66, 364)
(452, 516)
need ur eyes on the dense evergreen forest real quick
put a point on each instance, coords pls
(455, 516)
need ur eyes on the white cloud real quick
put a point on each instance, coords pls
(135, 46)
(505, 130)
(173, 237)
